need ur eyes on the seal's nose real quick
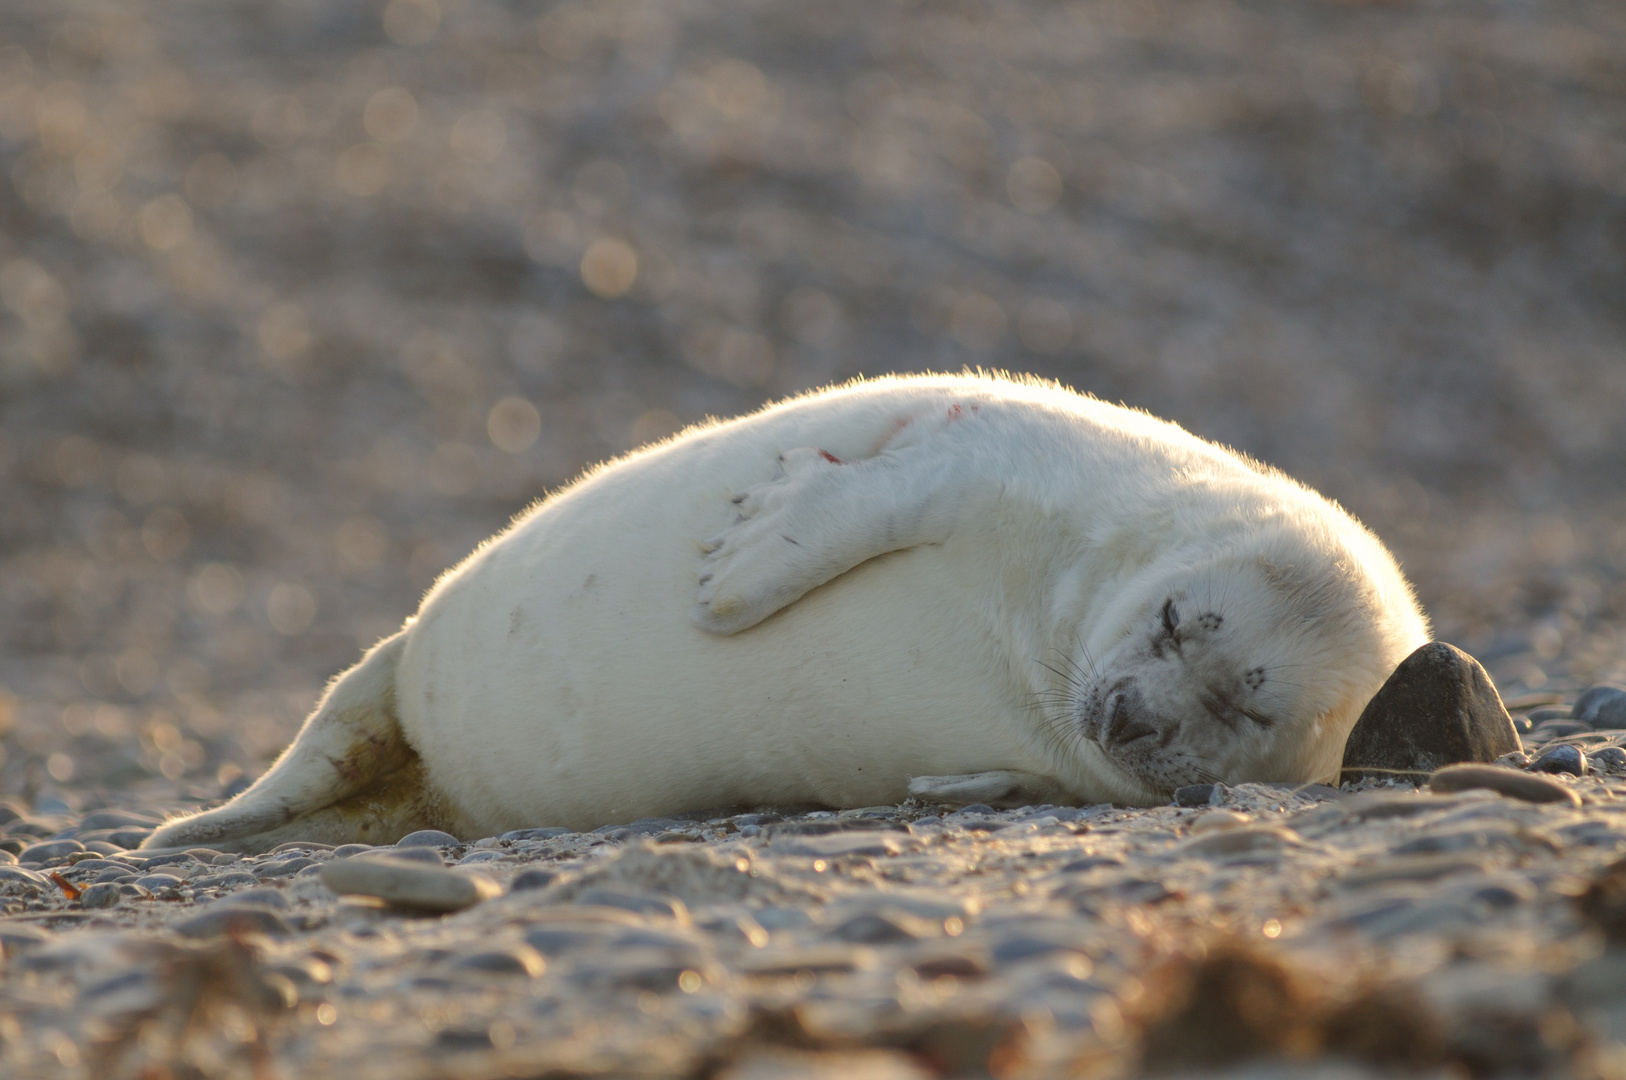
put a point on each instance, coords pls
(1123, 716)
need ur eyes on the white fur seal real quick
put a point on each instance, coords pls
(966, 587)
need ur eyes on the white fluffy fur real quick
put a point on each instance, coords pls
(977, 597)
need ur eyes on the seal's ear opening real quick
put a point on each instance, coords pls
(1438, 708)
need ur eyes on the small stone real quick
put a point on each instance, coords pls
(407, 884)
(344, 851)
(1602, 707)
(103, 894)
(217, 920)
(1439, 707)
(428, 838)
(1508, 782)
(128, 839)
(155, 882)
(1193, 795)
(1563, 758)
(1612, 758)
(284, 867)
(535, 878)
(50, 849)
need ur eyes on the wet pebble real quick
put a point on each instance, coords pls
(1561, 759)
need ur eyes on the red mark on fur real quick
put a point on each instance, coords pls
(953, 413)
(828, 456)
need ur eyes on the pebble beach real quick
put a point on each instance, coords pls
(300, 302)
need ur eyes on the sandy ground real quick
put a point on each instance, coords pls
(300, 301)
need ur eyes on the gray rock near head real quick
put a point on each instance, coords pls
(1438, 708)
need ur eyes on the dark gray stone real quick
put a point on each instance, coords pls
(103, 894)
(1561, 759)
(1612, 758)
(1438, 708)
(1193, 795)
(128, 839)
(1602, 707)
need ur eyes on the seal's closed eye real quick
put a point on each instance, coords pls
(1171, 617)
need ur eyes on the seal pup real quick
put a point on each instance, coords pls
(969, 588)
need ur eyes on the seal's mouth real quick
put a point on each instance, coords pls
(1137, 743)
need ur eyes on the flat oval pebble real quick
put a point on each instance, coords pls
(50, 849)
(1561, 759)
(103, 894)
(1512, 783)
(22, 875)
(407, 884)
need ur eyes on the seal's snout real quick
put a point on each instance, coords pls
(1123, 719)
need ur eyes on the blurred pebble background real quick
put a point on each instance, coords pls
(300, 300)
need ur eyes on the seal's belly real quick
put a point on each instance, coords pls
(558, 679)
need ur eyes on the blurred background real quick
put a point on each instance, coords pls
(299, 300)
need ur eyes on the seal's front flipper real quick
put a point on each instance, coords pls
(997, 788)
(815, 521)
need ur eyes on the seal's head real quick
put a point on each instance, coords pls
(1250, 665)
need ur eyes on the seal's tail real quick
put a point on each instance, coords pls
(349, 775)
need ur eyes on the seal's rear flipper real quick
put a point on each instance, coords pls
(350, 776)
